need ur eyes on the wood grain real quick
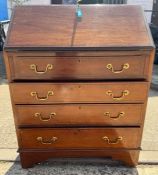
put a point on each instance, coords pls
(98, 28)
(79, 52)
(80, 138)
(82, 115)
(31, 157)
(78, 68)
(79, 92)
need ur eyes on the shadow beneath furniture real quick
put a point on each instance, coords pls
(74, 166)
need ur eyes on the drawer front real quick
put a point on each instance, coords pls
(51, 68)
(80, 138)
(45, 93)
(86, 114)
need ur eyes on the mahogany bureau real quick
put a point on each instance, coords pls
(79, 86)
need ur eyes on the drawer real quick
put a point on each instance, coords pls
(47, 93)
(79, 114)
(71, 67)
(80, 138)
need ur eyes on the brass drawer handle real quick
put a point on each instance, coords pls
(112, 141)
(44, 119)
(124, 93)
(121, 114)
(124, 66)
(34, 67)
(35, 94)
(51, 141)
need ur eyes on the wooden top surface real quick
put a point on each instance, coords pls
(102, 27)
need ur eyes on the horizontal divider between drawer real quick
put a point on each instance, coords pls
(59, 55)
(60, 104)
(80, 103)
(75, 127)
(79, 81)
(79, 149)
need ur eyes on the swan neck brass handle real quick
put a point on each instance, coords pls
(35, 94)
(34, 67)
(124, 67)
(47, 142)
(45, 119)
(120, 114)
(113, 141)
(124, 93)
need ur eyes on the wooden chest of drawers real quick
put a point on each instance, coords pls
(79, 87)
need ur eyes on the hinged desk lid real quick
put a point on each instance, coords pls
(102, 27)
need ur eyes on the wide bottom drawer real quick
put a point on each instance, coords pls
(80, 138)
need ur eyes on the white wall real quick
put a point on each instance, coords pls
(31, 2)
(146, 4)
(40, 2)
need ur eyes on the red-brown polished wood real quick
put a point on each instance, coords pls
(80, 138)
(83, 114)
(56, 27)
(31, 157)
(67, 100)
(79, 67)
(48, 93)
